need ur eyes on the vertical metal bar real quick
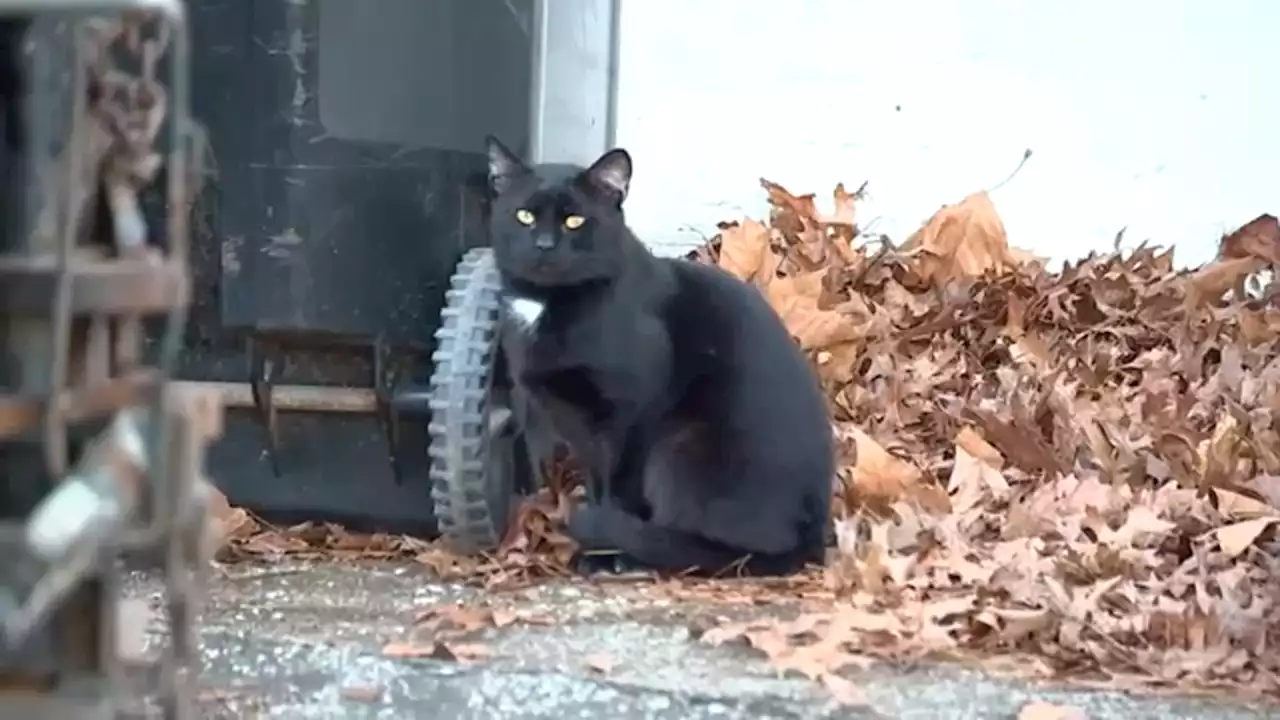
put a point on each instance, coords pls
(574, 73)
(179, 59)
(615, 55)
(55, 436)
(537, 80)
(16, 162)
(165, 499)
(14, 169)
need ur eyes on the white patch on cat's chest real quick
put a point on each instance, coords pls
(524, 311)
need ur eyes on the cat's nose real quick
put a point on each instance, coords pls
(544, 242)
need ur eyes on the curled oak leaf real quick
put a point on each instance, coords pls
(1258, 238)
(743, 248)
(1207, 285)
(1234, 539)
(844, 207)
(797, 301)
(879, 479)
(791, 214)
(967, 239)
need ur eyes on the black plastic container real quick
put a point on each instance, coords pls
(347, 141)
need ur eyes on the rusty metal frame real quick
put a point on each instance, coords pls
(90, 304)
(76, 283)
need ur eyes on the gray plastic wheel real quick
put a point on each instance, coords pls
(471, 442)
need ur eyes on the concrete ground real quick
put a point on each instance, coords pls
(306, 641)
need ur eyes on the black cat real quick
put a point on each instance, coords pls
(701, 426)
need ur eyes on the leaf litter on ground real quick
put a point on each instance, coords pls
(1079, 465)
(1076, 468)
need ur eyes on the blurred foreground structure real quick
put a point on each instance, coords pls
(99, 456)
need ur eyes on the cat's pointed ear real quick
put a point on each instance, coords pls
(612, 173)
(503, 165)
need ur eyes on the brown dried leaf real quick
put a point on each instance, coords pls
(1241, 507)
(450, 652)
(407, 650)
(503, 618)
(973, 443)
(1038, 710)
(460, 652)
(797, 299)
(1208, 284)
(962, 240)
(362, 693)
(1258, 238)
(1093, 426)
(743, 248)
(879, 479)
(230, 523)
(845, 692)
(454, 619)
(1236, 538)
(600, 663)
(845, 207)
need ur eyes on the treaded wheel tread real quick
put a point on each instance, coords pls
(465, 349)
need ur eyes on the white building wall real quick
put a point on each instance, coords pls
(1159, 115)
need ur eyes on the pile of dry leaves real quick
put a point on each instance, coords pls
(1083, 465)
(1079, 469)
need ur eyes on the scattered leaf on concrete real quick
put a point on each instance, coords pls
(408, 650)
(362, 693)
(845, 692)
(1048, 711)
(454, 619)
(460, 652)
(448, 651)
(599, 662)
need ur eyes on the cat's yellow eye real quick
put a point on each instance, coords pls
(524, 217)
(573, 222)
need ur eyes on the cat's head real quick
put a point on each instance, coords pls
(558, 225)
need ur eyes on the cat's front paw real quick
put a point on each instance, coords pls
(599, 563)
(588, 527)
(597, 529)
(592, 526)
